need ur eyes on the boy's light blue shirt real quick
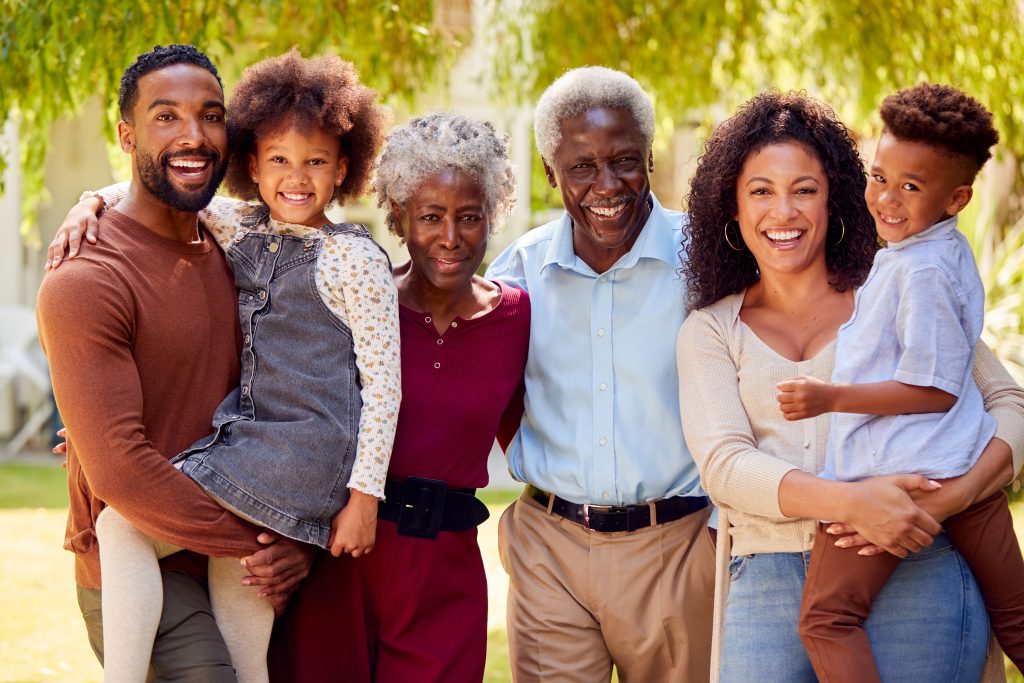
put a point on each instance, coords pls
(917, 320)
(602, 419)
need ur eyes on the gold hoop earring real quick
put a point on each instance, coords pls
(725, 232)
(842, 234)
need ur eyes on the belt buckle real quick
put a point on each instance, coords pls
(421, 507)
(587, 507)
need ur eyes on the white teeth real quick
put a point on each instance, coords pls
(295, 197)
(891, 220)
(607, 212)
(782, 235)
(187, 163)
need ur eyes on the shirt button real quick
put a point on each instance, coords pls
(262, 294)
(273, 247)
(245, 390)
(427, 319)
(437, 366)
(454, 324)
(248, 339)
(602, 279)
(603, 386)
(807, 444)
(603, 441)
(440, 341)
(605, 495)
(600, 332)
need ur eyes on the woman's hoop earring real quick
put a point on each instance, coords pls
(725, 231)
(842, 234)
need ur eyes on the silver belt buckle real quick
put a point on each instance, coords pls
(587, 507)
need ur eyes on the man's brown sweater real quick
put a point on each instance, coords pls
(142, 337)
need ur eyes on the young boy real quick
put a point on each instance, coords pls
(902, 393)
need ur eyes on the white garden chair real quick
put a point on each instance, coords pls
(22, 360)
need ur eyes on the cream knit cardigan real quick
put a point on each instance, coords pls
(744, 447)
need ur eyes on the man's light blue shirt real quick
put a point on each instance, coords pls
(916, 320)
(602, 423)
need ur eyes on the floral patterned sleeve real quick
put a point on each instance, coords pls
(354, 279)
(222, 217)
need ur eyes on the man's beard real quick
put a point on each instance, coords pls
(154, 176)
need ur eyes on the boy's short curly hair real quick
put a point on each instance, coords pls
(944, 117)
(161, 56)
(430, 144)
(290, 91)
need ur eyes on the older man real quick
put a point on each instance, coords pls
(143, 340)
(608, 552)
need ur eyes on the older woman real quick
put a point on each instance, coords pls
(416, 608)
(779, 238)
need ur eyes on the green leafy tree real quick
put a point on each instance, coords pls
(55, 55)
(702, 59)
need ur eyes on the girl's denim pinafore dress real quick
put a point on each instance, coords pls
(285, 440)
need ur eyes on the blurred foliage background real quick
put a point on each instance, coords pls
(698, 59)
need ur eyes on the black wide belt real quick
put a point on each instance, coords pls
(423, 507)
(608, 518)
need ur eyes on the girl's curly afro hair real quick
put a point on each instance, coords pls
(712, 268)
(289, 91)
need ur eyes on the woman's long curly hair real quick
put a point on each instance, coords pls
(712, 268)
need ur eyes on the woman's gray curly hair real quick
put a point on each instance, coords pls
(583, 89)
(432, 143)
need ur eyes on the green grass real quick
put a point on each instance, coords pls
(500, 498)
(42, 637)
(33, 486)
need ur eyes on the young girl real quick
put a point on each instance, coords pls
(902, 393)
(309, 432)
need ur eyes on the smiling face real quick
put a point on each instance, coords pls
(601, 166)
(782, 208)
(177, 136)
(297, 172)
(445, 227)
(912, 186)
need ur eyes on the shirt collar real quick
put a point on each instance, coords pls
(657, 240)
(940, 230)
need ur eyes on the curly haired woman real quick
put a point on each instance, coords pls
(779, 238)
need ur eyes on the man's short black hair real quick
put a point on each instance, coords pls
(158, 58)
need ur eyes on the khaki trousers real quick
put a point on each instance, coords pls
(580, 601)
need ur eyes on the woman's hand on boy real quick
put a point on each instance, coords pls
(354, 528)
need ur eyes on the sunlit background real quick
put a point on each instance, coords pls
(60, 64)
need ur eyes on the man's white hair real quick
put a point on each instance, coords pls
(430, 144)
(584, 89)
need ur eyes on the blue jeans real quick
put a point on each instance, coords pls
(928, 624)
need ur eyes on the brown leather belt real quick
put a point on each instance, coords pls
(609, 518)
